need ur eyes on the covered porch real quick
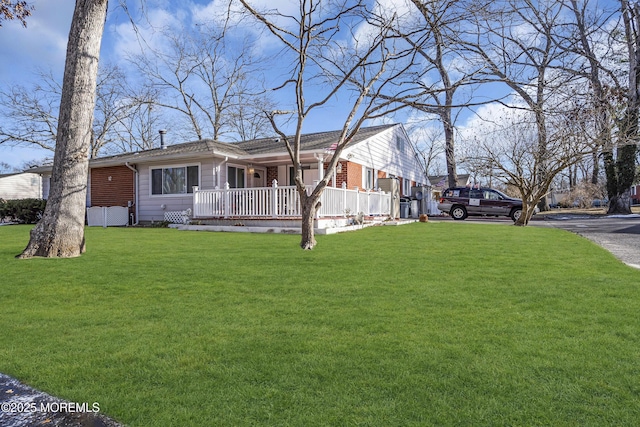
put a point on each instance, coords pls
(283, 203)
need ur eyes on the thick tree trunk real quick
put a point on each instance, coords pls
(309, 207)
(60, 233)
(620, 204)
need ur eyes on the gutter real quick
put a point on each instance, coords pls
(135, 189)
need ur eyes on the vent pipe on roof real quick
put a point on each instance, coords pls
(162, 133)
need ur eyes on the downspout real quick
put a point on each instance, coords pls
(226, 159)
(135, 189)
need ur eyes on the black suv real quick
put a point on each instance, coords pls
(460, 202)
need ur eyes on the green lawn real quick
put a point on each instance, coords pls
(425, 324)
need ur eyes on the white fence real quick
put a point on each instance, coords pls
(107, 216)
(284, 202)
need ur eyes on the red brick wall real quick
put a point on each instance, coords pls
(115, 192)
(351, 174)
(354, 176)
(382, 174)
(272, 173)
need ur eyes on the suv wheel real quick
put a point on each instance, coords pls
(515, 214)
(458, 212)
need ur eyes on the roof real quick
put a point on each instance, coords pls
(6, 175)
(308, 142)
(205, 146)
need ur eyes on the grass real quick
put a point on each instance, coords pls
(426, 324)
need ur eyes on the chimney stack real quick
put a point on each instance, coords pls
(162, 132)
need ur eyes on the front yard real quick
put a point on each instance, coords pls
(424, 324)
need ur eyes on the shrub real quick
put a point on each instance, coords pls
(27, 211)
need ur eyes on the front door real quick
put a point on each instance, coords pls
(259, 178)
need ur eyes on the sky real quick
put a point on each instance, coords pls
(42, 45)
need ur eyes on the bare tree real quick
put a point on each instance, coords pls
(621, 167)
(6, 168)
(209, 79)
(362, 66)
(32, 119)
(509, 149)
(516, 40)
(138, 129)
(428, 142)
(443, 68)
(582, 42)
(60, 232)
(19, 10)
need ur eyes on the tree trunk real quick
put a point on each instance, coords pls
(60, 232)
(620, 204)
(621, 171)
(449, 147)
(309, 207)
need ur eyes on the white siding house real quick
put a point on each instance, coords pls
(164, 178)
(23, 185)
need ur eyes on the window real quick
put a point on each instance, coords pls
(400, 144)
(476, 194)
(174, 180)
(306, 176)
(406, 187)
(235, 177)
(369, 181)
(292, 175)
(492, 195)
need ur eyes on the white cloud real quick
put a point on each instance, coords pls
(41, 45)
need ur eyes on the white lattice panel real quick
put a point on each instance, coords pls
(107, 216)
(176, 217)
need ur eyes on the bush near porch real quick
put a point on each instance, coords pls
(424, 324)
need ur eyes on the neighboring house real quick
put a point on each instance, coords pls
(635, 194)
(160, 180)
(439, 183)
(23, 185)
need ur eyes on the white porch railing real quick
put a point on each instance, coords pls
(284, 202)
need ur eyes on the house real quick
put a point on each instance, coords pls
(635, 194)
(23, 185)
(439, 183)
(213, 179)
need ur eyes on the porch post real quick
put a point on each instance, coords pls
(344, 197)
(320, 167)
(274, 199)
(196, 202)
(226, 200)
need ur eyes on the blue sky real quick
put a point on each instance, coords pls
(42, 45)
